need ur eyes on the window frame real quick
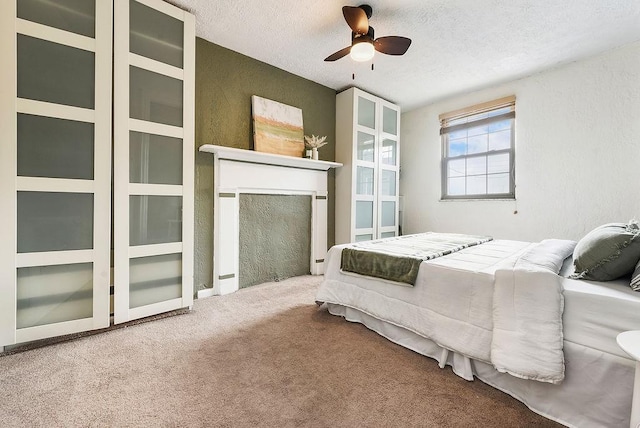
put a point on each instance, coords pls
(446, 129)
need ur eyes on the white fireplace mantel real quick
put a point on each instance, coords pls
(238, 171)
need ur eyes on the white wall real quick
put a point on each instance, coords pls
(577, 154)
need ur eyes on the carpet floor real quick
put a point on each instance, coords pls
(264, 356)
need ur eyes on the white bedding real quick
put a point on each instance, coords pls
(452, 303)
(597, 390)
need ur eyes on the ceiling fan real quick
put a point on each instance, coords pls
(363, 44)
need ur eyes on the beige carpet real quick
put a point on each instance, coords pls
(264, 356)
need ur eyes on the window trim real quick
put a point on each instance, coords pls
(445, 129)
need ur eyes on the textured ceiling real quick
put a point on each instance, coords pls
(458, 45)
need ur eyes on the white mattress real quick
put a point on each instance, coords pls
(595, 312)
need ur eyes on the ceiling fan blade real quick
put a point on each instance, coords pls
(356, 18)
(337, 55)
(392, 45)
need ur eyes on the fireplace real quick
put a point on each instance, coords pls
(238, 172)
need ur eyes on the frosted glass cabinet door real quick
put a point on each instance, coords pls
(55, 167)
(154, 93)
(364, 215)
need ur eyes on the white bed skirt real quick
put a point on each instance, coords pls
(596, 392)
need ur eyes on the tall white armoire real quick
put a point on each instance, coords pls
(57, 138)
(368, 145)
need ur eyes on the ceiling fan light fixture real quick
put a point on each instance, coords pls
(362, 51)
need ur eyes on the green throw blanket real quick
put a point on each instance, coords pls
(398, 259)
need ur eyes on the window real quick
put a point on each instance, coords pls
(478, 151)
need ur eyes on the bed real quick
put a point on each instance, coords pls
(466, 310)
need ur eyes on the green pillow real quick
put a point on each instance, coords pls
(635, 278)
(607, 252)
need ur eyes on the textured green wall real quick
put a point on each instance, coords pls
(225, 82)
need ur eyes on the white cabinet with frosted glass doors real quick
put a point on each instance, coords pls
(56, 136)
(368, 144)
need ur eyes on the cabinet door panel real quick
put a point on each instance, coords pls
(366, 113)
(155, 35)
(155, 219)
(364, 181)
(56, 148)
(387, 234)
(388, 183)
(388, 214)
(51, 221)
(55, 73)
(154, 97)
(389, 121)
(364, 214)
(388, 153)
(41, 303)
(154, 159)
(76, 16)
(154, 279)
(366, 147)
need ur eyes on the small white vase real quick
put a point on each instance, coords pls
(314, 153)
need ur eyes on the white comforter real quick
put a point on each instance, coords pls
(517, 328)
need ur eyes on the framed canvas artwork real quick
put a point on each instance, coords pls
(277, 127)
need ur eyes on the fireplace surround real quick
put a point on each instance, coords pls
(237, 172)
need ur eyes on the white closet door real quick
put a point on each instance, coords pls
(154, 62)
(389, 169)
(55, 169)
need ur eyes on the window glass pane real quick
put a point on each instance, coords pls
(388, 183)
(389, 121)
(456, 186)
(49, 221)
(366, 147)
(500, 126)
(500, 140)
(477, 130)
(477, 185)
(387, 234)
(76, 16)
(366, 113)
(360, 238)
(498, 163)
(155, 219)
(52, 294)
(154, 159)
(55, 73)
(457, 147)
(477, 144)
(456, 168)
(49, 147)
(498, 183)
(155, 35)
(154, 97)
(462, 133)
(388, 214)
(389, 152)
(154, 279)
(477, 165)
(364, 214)
(364, 181)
